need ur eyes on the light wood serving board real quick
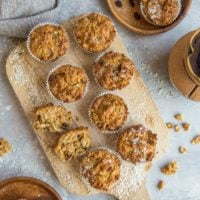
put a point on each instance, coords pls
(27, 77)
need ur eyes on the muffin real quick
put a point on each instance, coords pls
(67, 83)
(48, 42)
(108, 112)
(113, 71)
(100, 168)
(160, 12)
(50, 118)
(73, 143)
(5, 147)
(137, 144)
(94, 32)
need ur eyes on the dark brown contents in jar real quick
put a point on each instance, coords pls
(118, 3)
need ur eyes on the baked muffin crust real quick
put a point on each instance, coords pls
(48, 42)
(73, 143)
(101, 168)
(161, 12)
(5, 147)
(50, 118)
(137, 144)
(94, 32)
(113, 70)
(108, 112)
(68, 83)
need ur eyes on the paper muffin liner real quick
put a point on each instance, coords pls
(95, 78)
(85, 50)
(58, 100)
(85, 180)
(106, 131)
(39, 25)
(151, 22)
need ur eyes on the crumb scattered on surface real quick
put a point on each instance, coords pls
(179, 117)
(196, 140)
(161, 185)
(170, 168)
(5, 147)
(176, 128)
(186, 126)
(169, 125)
(182, 149)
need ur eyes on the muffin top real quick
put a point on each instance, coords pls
(113, 70)
(68, 83)
(50, 118)
(94, 32)
(101, 168)
(48, 42)
(137, 144)
(73, 143)
(108, 112)
(161, 12)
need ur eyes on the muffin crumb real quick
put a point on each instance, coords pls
(179, 117)
(186, 126)
(196, 140)
(182, 149)
(161, 185)
(5, 147)
(169, 125)
(170, 168)
(176, 128)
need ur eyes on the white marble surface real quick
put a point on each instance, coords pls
(150, 54)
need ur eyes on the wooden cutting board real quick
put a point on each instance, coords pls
(27, 77)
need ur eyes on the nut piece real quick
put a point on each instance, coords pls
(137, 144)
(101, 168)
(176, 128)
(73, 143)
(169, 125)
(161, 185)
(50, 118)
(179, 117)
(196, 140)
(170, 168)
(5, 147)
(182, 149)
(186, 126)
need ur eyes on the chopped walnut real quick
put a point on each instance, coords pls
(182, 149)
(170, 168)
(196, 140)
(169, 125)
(179, 117)
(176, 128)
(161, 185)
(5, 147)
(186, 126)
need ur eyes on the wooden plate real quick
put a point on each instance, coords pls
(27, 188)
(135, 22)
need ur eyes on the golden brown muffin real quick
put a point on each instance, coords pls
(137, 144)
(48, 42)
(68, 83)
(160, 12)
(73, 143)
(94, 32)
(113, 70)
(5, 147)
(50, 118)
(108, 112)
(101, 168)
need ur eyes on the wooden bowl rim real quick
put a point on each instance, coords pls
(150, 32)
(33, 181)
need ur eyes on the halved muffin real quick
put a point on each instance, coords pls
(100, 168)
(50, 118)
(73, 143)
(137, 144)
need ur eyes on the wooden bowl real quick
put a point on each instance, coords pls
(131, 17)
(20, 187)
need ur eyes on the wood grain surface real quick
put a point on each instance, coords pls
(125, 15)
(27, 77)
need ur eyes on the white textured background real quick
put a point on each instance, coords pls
(150, 54)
